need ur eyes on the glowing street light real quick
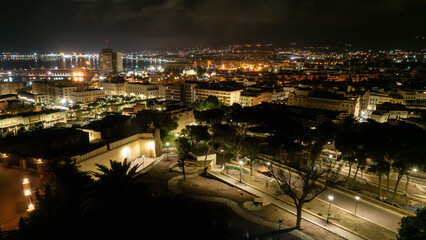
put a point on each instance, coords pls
(223, 158)
(241, 169)
(27, 192)
(268, 164)
(330, 198)
(30, 207)
(25, 181)
(167, 153)
(357, 198)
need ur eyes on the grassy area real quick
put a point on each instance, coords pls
(169, 139)
(236, 168)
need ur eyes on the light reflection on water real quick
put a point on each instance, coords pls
(71, 63)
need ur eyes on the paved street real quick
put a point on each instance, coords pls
(379, 214)
(371, 212)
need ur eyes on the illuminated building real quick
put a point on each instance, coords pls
(140, 90)
(10, 87)
(87, 95)
(225, 95)
(324, 100)
(251, 98)
(113, 88)
(110, 62)
(59, 92)
(47, 118)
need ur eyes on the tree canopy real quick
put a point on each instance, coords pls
(413, 227)
(211, 102)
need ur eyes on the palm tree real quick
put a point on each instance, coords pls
(183, 147)
(380, 167)
(116, 189)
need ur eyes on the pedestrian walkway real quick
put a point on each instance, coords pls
(173, 187)
(288, 207)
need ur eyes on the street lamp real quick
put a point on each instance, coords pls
(279, 224)
(268, 164)
(167, 151)
(241, 169)
(27, 193)
(330, 198)
(408, 180)
(223, 158)
(357, 198)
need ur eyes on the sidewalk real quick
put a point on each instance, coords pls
(288, 207)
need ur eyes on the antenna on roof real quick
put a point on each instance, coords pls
(106, 43)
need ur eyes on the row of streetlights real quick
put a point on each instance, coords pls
(331, 198)
(27, 192)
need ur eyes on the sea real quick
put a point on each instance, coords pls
(73, 63)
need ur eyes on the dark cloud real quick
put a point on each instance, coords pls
(84, 24)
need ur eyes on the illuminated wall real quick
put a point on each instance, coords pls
(146, 144)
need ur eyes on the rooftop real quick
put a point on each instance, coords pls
(106, 122)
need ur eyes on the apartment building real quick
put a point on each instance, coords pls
(47, 118)
(113, 88)
(87, 95)
(61, 91)
(142, 90)
(252, 98)
(227, 96)
(414, 95)
(389, 111)
(324, 100)
(376, 98)
(10, 87)
(57, 91)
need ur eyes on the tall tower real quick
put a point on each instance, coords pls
(110, 62)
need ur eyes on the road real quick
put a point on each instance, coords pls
(376, 213)
(366, 210)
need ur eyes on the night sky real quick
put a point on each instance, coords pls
(83, 25)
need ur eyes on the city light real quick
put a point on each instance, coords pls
(330, 198)
(27, 192)
(357, 198)
(30, 207)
